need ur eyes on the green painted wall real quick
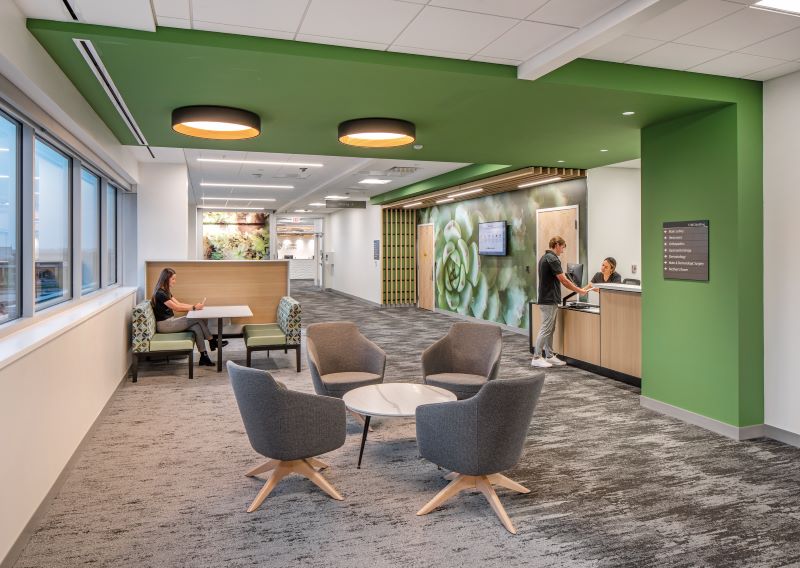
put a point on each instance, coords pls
(702, 342)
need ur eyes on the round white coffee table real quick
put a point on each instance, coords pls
(392, 400)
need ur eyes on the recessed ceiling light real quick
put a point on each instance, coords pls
(628, 113)
(238, 199)
(538, 182)
(222, 208)
(259, 162)
(334, 197)
(468, 192)
(259, 185)
(377, 132)
(3, 177)
(604, 150)
(788, 7)
(3, 149)
(375, 181)
(412, 204)
(302, 210)
(216, 122)
(316, 204)
(560, 161)
(445, 200)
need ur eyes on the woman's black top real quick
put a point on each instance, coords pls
(161, 310)
(615, 278)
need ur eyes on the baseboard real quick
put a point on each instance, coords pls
(517, 330)
(723, 428)
(22, 540)
(352, 297)
(781, 435)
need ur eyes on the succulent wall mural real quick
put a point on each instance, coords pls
(496, 288)
(235, 235)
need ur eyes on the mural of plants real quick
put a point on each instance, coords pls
(234, 235)
(495, 288)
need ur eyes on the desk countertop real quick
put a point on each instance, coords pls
(620, 287)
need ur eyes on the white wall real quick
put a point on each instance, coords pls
(163, 215)
(615, 220)
(49, 398)
(350, 233)
(781, 235)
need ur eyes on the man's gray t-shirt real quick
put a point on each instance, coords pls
(549, 285)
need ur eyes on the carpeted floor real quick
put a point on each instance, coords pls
(161, 481)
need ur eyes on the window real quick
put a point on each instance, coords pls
(9, 220)
(111, 233)
(51, 219)
(90, 231)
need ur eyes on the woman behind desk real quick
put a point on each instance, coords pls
(164, 303)
(608, 273)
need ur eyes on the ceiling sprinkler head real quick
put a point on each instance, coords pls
(418, 146)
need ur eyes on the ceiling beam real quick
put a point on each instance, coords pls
(608, 27)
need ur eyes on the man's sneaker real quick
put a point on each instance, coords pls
(540, 362)
(555, 361)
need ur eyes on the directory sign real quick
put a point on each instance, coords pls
(686, 250)
(492, 238)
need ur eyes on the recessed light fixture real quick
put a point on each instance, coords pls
(412, 204)
(3, 177)
(216, 122)
(316, 205)
(257, 185)
(788, 7)
(604, 150)
(468, 192)
(628, 113)
(302, 210)
(3, 149)
(445, 200)
(260, 163)
(560, 161)
(334, 197)
(538, 182)
(222, 208)
(237, 199)
(375, 181)
(377, 132)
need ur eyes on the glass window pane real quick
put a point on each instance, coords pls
(51, 212)
(9, 220)
(90, 231)
(111, 232)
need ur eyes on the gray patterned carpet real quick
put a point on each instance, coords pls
(161, 484)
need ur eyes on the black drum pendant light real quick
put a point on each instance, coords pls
(377, 132)
(216, 122)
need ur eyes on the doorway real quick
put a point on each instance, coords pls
(425, 267)
(561, 221)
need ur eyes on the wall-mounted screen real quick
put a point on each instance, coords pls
(492, 238)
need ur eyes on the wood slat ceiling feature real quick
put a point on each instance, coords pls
(497, 184)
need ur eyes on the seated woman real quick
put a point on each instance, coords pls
(163, 305)
(608, 273)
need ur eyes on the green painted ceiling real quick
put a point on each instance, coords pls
(464, 111)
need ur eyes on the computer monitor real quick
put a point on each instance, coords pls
(575, 274)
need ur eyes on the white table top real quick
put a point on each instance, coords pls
(211, 312)
(619, 287)
(394, 399)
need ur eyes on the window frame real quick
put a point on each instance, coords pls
(18, 217)
(84, 166)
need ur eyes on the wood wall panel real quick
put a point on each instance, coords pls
(398, 285)
(259, 284)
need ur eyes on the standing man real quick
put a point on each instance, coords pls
(551, 277)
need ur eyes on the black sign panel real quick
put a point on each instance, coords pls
(340, 204)
(686, 250)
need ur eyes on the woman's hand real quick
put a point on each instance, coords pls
(198, 306)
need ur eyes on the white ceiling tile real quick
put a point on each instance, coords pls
(342, 42)
(676, 56)
(172, 9)
(736, 65)
(165, 22)
(132, 14)
(441, 29)
(261, 14)
(525, 40)
(518, 9)
(241, 30)
(496, 60)
(429, 52)
(784, 46)
(575, 13)
(376, 21)
(624, 48)
(684, 18)
(774, 72)
(44, 10)
(740, 29)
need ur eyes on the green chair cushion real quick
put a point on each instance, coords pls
(172, 341)
(266, 338)
(259, 328)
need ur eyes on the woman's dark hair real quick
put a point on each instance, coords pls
(162, 284)
(613, 262)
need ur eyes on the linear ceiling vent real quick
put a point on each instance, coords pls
(96, 65)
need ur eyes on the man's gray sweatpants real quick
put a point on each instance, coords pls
(544, 341)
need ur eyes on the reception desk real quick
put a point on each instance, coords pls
(606, 339)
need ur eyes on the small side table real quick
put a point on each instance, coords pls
(219, 312)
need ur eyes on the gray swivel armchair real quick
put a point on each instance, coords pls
(478, 438)
(288, 427)
(341, 359)
(465, 359)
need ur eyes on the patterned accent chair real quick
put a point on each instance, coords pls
(285, 334)
(146, 342)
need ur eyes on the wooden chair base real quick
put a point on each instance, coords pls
(482, 483)
(281, 469)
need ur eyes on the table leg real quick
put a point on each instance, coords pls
(219, 345)
(363, 439)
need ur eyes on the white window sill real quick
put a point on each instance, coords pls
(30, 337)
